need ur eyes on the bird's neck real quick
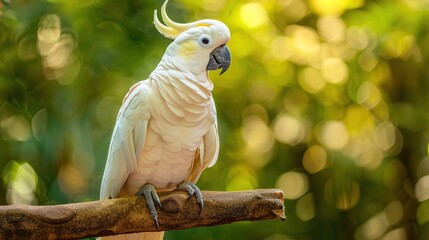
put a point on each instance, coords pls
(172, 75)
(181, 71)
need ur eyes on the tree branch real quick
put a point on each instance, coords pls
(126, 215)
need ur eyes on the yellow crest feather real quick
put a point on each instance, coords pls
(172, 29)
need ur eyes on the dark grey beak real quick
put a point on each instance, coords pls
(219, 58)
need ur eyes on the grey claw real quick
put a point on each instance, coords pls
(193, 189)
(151, 197)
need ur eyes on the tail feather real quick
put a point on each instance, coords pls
(136, 236)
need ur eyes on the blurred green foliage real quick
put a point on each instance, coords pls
(326, 99)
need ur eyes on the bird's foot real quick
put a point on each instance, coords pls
(149, 193)
(193, 190)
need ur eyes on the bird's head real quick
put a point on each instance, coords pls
(201, 45)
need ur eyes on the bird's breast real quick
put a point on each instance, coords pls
(175, 131)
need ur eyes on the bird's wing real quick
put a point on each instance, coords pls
(207, 154)
(128, 139)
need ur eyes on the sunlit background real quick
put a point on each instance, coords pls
(325, 99)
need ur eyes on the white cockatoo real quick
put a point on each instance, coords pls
(166, 131)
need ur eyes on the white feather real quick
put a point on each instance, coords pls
(127, 140)
(211, 143)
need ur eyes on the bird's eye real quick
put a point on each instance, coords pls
(205, 41)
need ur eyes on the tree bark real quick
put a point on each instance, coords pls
(127, 215)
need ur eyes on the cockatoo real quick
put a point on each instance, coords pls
(166, 131)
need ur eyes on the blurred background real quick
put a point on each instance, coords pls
(325, 99)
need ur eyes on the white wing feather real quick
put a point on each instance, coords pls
(211, 146)
(211, 142)
(208, 151)
(128, 139)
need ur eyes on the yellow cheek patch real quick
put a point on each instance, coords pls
(187, 48)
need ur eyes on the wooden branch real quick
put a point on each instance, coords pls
(126, 215)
